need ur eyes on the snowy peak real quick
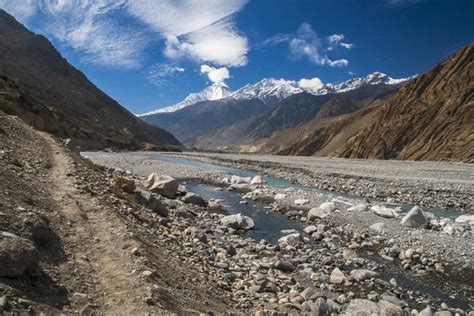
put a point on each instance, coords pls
(267, 90)
(216, 91)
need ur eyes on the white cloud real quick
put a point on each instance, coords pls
(313, 83)
(347, 45)
(215, 75)
(158, 74)
(203, 31)
(337, 40)
(307, 44)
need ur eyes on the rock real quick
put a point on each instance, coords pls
(284, 265)
(256, 180)
(336, 277)
(328, 207)
(414, 218)
(237, 221)
(152, 202)
(128, 185)
(321, 307)
(362, 207)
(37, 229)
(291, 239)
(363, 274)
(358, 307)
(383, 211)
(349, 254)
(427, 311)
(3, 302)
(18, 257)
(240, 180)
(301, 201)
(310, 229)
(317, 213)
(387, 308)
(164, 185)
(465, 219)
(71, 145)
(280, 196)
(193, 198)
(379, 227)
(449, 229)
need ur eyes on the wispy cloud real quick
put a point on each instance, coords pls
(22, 10)
(203, 31)
(159, 74)
(306, 43)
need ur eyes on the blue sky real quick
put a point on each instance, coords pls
(148, 54)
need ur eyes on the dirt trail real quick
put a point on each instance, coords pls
(95, 232)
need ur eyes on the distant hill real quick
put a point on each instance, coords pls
(429, 118)
(40, 86)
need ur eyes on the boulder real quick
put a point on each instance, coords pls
(280, 196)
(240, 180)
(150, 201)
(256, 180)
(310, 229)
(362, 207)
(164, 185)
(415, 218)
(18, 256)
(71, 145)
(291, 239)
(37, 229)
(465, 219)
(301, 201)
(237, 221)
(193, 198)
(328, 207)
(362, 274)
(316, 213)
(358, 307)
(336, 277)
(284, 265)
(383, 211)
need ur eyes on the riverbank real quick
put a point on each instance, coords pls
(443, 257)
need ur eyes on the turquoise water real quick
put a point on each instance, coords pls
(283, 184)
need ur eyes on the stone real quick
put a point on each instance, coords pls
(238, 221)
(163, 185)
(193, 198)
(321, 307)
(37, 229)
(387, 308)
(3, 302)
(240, 180)
(310, 229)
(317, 213)
(328, 207)
(18, 256)
(349, 254)
(449, 229)
(284, 265)
(152, 202)
(379, 227)
(256, 180)
(465, 219)
(427, 311)
(128, 185)
(363, 274)
(414, 218)
(280, 196)
(301, 201)
(383, 211)
(337, 277)
(71, 145)
(362, 207)
(291, 239)
(358, 307)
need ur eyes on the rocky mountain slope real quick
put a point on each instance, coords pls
(39, 85)
(431, 118)
(291, 112)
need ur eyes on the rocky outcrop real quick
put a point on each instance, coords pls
(430, 118)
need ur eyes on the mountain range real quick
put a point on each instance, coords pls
(40, 86)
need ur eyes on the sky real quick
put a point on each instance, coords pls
(148, 54)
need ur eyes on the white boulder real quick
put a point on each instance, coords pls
(415, 218)
(238, 221)
(301, 201)
(383, 211)
(161, 184)
(362, 207)
(256, 180)
(240, 180)
(317, 213)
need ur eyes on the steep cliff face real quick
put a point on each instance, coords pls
(39, 85)
(430, 118)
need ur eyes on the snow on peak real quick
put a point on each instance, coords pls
(267, 90)
(216, 91)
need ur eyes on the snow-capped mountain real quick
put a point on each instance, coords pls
(215, 91)
(267, 90)
(271, 90)
(374, 78)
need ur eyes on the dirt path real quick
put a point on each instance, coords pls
(95, 232)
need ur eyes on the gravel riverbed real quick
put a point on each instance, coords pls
(438, 256)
